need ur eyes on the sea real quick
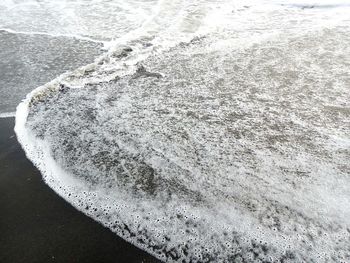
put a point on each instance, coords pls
(198, 130)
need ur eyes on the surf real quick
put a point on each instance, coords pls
(194, 139)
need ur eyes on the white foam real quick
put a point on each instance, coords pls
(7, 114)
(220, 159)
(332, 3)
(96, 19)
(53, 35)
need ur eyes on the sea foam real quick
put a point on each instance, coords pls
(201, 142)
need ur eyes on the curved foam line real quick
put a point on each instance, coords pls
(52, 174)
(33, 33)
(34, 148)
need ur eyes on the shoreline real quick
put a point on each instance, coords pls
(37, 225)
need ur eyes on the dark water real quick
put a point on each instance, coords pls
(28, 61)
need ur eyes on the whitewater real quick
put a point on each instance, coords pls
(204, 131)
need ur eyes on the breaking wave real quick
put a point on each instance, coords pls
(212, 132)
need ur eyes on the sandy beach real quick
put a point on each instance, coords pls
(174, 131)
(36, 225)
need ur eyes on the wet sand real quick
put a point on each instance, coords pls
(36, 225)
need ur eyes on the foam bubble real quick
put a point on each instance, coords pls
(228, 147)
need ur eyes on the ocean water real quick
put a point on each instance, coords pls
(28, 61)
(199, 131)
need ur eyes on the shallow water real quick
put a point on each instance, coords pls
(29, 61)
(213, 132)
(97, 19)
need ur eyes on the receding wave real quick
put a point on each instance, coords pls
(197, 145)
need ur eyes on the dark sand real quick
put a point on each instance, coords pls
(36, 225)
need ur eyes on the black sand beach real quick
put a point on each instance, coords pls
(36, 225)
